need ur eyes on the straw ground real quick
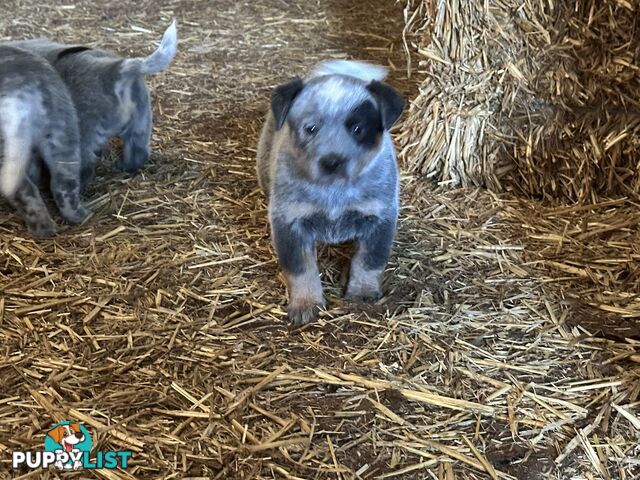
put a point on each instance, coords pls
(160, 323)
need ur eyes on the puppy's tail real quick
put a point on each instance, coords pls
(367, 72)
(158, 60)
(16, 134)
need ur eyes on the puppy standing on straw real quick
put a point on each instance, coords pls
(327, 164)
(110, 95)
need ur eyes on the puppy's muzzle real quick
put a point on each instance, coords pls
(333, 165)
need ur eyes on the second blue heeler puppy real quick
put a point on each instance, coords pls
(109, 94)
(327, 164)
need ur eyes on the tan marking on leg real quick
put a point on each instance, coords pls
(305, 292)
(364, 284)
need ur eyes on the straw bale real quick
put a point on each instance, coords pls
(542, 98)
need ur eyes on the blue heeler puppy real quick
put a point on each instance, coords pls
(37, 116)
(109, 94)
(328, 166)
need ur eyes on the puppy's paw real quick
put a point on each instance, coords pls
(302, 314)
(130, 168)
(134, 157)
(45, 228)
(77, 216)
(363, 296)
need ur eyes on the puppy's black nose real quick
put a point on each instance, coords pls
(332, 163)
(79, 435)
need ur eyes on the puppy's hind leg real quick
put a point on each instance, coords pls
(367, 265)
(31, 207)
(15, 184)
(62, 156)
(297, 258)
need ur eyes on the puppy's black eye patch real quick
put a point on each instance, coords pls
(311, 129)
(364, 124)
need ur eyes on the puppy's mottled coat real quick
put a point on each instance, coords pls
(109, 94)
(37, 116)
(328, 167)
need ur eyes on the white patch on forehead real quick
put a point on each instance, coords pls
(333, 94)
(353, 68)
(334, 88)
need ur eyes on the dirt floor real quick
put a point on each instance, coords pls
(161, 326)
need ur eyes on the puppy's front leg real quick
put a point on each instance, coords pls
(88, 169)
(296, 255)
(136, 140)
(374, 247)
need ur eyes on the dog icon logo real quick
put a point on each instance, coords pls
(69, 440)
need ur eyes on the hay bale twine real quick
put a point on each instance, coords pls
(542, 98)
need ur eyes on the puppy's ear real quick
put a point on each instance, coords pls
(282, 98)
(390, 101)
(57, 434)
(65, 52)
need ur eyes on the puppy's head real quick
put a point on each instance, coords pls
(336, 124)
(74, 434)
(133, 120)
(67, 435)
(134, 104)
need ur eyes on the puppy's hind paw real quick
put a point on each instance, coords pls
(43, 229)
(301, 315)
